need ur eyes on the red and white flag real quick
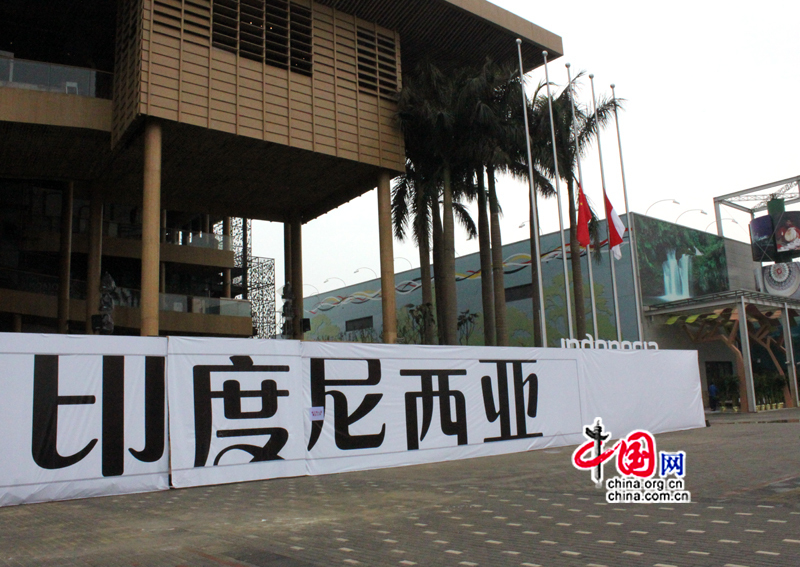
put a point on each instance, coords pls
(615, 229)
(584, 214)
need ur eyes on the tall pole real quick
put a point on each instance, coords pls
(558, 197)
(608, 220)
(637, 292)
(535, 219)
(791, 367)
(580, 181)
(67, 197)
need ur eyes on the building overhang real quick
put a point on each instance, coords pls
(456, 32)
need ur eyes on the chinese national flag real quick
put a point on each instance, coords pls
(615, 229)
(584, 214)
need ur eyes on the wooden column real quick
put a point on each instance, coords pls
(151, 229)
(388, 299)
(94, 271)
(66, 257)
(297, 277)
(226, 233)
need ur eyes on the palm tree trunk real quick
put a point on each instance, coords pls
(449, 294)
(425, 272)
(577, 276)
(498, 271)
(438, 278)
(485, 243)
(537, 315)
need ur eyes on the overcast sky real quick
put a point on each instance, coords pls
(711, 92)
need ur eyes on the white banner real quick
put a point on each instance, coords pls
(236, 410)
(81, 416)
(86, 416)
(246, 410)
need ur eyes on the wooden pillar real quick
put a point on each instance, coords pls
(66, 257)
(94, 271)
(162, 266)
(17, 323)
(297, 278)
(151, 221)
(226, 234)
(388, 299)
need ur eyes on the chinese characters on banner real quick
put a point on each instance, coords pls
(87, 416)
(82, 418)
(381, 406)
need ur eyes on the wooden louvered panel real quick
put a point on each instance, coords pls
(195, 81)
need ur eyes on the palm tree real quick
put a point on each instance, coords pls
(410, 198)
(415, 201)
(425, 113)
(491, 103)
(572, 140)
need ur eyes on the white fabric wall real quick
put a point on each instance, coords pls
(384, 406)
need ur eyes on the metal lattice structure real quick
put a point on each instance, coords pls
(755, 199)
(259, 284)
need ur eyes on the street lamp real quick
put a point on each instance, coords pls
(702, 212)
(410, 265)
(524, 223)
(335, 278)
(734, 221)
(315, 288)
(365, 268)
(661, 201)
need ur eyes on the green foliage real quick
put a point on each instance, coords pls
(466, 325)
(520, 328)
(654, 239)
(769, 387)
(323, 329)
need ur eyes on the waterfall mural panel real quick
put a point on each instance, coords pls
(676, 262)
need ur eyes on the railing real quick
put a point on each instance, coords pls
(204, 305)
(32, 282)
(198, 239)
(39, 76)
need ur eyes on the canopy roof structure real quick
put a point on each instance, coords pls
(718, 317)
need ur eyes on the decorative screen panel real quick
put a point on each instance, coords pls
(274, 32)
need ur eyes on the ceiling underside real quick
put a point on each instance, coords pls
(213, 172)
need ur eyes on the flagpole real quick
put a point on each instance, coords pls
(580, 181)
(535, 223)
(608, 220)
(634, 261)
(558, 197)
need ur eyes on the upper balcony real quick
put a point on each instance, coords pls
(34, 295)
(52, 78)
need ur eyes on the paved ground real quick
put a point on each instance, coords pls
(518, 510)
